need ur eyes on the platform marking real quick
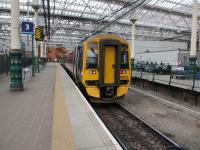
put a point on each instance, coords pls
(62, 135)
(97, 117)
(167, 102)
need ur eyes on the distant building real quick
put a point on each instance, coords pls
(161, 51)
(55, 54)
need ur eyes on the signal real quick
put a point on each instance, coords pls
(39, 34)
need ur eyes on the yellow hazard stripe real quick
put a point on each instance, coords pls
(62, 135)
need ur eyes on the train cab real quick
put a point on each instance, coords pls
(103, 67)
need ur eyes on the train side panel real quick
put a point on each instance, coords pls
(74, 63)
(69, 61)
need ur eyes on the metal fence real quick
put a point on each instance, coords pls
(186, 77)
(5, 62)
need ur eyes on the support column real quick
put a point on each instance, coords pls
(193, 50)
(45, 51)
(41, 49)
(28, 4)
(15, 55)
(36, 7)
(42, 58)
(198, 49)
(133, 40)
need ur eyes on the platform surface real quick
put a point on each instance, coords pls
(50, 114)
(165, 79)
(26, 117)
(89, 132)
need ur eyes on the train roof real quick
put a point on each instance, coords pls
(106, 36)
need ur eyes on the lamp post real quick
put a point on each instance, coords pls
(45, 51)
(28, 3)
(15, 55)
(140, 59)
(193, 50)
(133, 37)
(36, 7)
(42, 53)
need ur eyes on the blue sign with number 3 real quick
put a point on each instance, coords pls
(27, 28)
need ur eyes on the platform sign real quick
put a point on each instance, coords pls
(27, 28)
(39, 34)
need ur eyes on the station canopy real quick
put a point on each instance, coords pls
(70, 21)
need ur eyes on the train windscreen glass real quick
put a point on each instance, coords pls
(92, 55)
(124, 57)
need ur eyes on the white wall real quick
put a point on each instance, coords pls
(152, 46)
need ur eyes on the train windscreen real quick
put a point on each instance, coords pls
(92, 55)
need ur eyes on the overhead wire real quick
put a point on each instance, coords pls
(48, 16)
(54, 8)
(119, 17)
(113, 13)
(187, 34)
(45, 15)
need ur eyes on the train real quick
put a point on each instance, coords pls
(102, 66)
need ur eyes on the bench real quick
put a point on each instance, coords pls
(26, 74)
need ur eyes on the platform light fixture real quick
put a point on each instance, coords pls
(36, 7)
(36, 4)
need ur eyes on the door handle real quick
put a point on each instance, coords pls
(113, 66)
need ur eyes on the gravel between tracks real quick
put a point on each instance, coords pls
(131, 132)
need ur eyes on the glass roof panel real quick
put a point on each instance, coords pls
(175, 5)
(106, 10)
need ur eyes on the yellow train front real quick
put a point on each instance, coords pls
(102, 65)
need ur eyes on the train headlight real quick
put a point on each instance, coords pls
(92, 71)
(122, 71)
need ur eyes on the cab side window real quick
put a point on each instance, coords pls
(80, 58)
(124, 57)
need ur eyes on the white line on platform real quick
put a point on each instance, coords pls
(166, 101)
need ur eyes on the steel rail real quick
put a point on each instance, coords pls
(173, 145)
(176, 146)
(87, 98)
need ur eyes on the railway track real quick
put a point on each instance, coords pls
(131, 132)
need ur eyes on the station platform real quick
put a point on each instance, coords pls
(50, 114)
(187, 84)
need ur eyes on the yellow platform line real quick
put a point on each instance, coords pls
(62, 135)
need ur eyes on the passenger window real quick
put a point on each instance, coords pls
(92, 55)
(80, 58)
(124, 57)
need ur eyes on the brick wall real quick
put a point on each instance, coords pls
(54, 54)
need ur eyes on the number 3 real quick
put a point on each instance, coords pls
(27, 27)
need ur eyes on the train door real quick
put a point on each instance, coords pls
(109, 73)
(109, 67)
